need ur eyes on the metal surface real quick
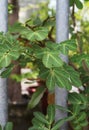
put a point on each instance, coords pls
(62, 18)
(3, 82)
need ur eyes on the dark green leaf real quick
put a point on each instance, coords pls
(79, 4)
(36, 97)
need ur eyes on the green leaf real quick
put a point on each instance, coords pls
(0, 127)
(62, 108)
(50, 82)
(37, 123)
(51, 59)
(32, 128)
(7, 71)
(9, 50)
(81, 117)
(84, 123)
(51, 113)
(74, 76)
(67, 46)
(78, 127)
(71, 2)
(9, 126)
(62, 79)
(37, 35)
(16, 28)
(76, 98)
(60, 122)
(80, 58)
(79, 4)
(36, 97)
(40, 117)
(76, 109)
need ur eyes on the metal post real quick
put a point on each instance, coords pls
(62, 18)
(3, 83)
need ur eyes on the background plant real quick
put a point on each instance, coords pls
(34, 42)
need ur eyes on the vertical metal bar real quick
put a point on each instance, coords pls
(62, 18)
(3, 81)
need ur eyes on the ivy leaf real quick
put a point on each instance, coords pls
(36, 97)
